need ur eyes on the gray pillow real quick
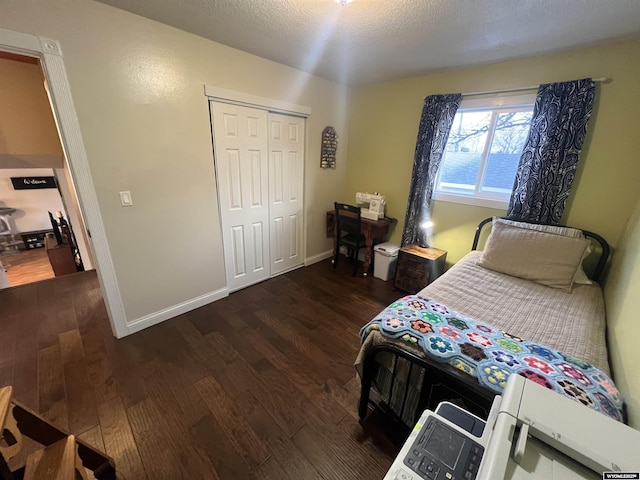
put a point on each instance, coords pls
(542, 257)
(581, 277)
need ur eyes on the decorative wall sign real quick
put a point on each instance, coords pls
(329, 147)
(29, 183)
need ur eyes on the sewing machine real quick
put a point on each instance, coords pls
(371, 205)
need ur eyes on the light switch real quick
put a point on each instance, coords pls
(125, 199)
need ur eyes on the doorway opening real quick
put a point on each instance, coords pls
(49, 55)
(42, 232)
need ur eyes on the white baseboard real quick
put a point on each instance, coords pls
(318, 258)
(184, 307)
(175, 310)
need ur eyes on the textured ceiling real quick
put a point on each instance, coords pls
(373, 40)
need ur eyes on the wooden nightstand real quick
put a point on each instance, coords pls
(418, 266)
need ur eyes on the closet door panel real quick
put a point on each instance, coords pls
(286, 168)
(240, 152)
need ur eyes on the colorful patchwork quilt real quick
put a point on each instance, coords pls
(491, 355)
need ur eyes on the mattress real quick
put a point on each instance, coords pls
(572, 323)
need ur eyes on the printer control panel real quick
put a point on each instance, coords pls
(440, 452)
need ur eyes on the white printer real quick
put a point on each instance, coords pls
(531, 433)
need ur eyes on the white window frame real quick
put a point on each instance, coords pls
(477, 198)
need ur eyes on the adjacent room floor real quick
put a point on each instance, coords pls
(258, 385)
(27, 266)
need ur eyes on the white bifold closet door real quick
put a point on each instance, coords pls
(259, 159)
(286, 167)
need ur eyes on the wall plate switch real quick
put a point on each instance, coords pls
(125, 199)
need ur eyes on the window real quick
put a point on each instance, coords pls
(483, 150)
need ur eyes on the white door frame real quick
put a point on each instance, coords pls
(50, 55)
(248, 100)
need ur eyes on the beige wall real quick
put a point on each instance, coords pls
(138, 90)
(383, 127)
(623, 304)
(28, 135)
(384, 122)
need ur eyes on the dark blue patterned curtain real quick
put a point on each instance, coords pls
(550, 157)
(437, 117)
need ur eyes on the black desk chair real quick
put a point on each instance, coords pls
(348, 233)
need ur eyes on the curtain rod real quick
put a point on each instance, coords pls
(520, 89)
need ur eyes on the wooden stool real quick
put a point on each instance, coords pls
(64, 457)
(58, 461)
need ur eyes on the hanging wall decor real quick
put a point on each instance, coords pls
(329, 147)
(29, 183)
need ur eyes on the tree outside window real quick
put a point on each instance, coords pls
(482, 154)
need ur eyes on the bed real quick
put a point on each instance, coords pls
(529, 288)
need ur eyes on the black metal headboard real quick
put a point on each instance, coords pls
(604, 246)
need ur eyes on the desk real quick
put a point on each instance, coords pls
(374, 231)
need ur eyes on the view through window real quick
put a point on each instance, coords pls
(482, 154)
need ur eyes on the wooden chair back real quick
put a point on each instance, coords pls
(347, 219)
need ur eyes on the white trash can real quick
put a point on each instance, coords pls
(384, 264)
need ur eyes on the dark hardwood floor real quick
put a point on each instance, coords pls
(260, 385)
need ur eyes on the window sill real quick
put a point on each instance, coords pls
(478, 202)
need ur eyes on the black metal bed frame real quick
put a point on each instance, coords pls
(436, 381)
